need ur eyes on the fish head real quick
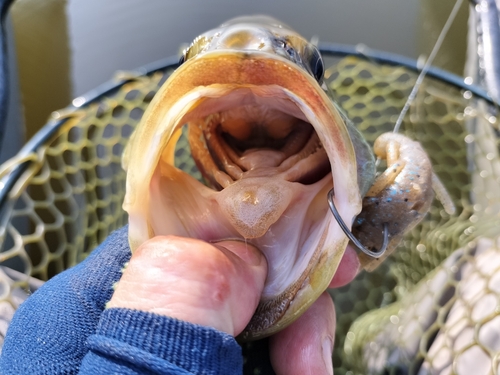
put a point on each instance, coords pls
(270, 144)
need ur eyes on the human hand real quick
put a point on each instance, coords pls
(215, 285)
(219, 285)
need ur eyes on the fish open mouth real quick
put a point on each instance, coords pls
(252, 136)
(269, 177)
(270, 152)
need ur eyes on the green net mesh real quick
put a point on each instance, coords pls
(432, 308)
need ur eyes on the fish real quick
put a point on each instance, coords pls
(270, 143)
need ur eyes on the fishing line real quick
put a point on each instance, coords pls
(423, 72)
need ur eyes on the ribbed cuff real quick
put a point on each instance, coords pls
(197, 349)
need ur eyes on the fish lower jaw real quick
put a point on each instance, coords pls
(281, 218)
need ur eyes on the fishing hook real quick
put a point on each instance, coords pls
(354, 240)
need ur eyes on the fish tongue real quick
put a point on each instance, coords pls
(258, 158)
(252, 205)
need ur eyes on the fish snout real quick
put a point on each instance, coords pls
(249, 38)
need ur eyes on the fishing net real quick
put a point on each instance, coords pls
(432, 308)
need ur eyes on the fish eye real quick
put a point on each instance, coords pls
(316, 65)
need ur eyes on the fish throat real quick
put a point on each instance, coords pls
(257, 140)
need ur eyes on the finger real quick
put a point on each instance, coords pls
(192, 280)
(348, 268)
(305, 347)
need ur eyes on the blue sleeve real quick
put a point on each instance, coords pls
(63, 328)
(133, 342)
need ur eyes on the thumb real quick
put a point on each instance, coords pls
(216, 285)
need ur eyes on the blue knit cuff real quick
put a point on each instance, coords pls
(197, 349)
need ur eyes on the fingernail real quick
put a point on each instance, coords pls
(327, 347)
(248, 253)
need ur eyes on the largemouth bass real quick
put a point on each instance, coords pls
(271, 144)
